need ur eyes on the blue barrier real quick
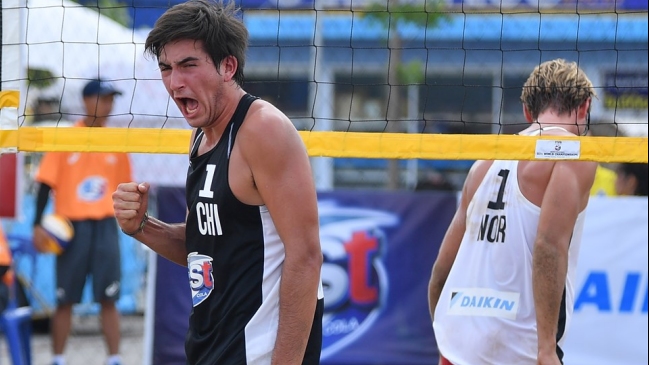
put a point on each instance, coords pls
(36, 270)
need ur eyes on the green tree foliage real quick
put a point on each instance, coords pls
(426, 14)
(411, 73)
(39, 78)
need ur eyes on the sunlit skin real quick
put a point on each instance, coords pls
(98, 108)
(197, 86)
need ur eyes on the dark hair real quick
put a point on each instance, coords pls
(640, 172)
(216, 24)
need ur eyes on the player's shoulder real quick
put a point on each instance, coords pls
(585, 170)
(269, 136)
(265, 121)
(575, 173)
(479, 169)
(475, 176)
(263, 112)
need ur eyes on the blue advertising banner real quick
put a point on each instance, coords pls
(173, 297)
(379, 248)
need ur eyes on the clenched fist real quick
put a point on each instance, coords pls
(130, 202)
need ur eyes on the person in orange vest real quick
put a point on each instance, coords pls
(82, 184)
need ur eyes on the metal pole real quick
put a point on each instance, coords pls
(322, 95)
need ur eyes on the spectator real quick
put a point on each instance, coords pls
(81, 184)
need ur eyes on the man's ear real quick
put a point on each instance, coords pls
(229, 67)
(527, 114)
(583, 109)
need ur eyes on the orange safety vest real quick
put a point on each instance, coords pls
(83, 183)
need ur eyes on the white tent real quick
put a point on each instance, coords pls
(76, 43)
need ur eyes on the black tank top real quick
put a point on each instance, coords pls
(230, 245)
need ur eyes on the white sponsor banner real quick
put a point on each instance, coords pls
(557, 149)
(609, 324)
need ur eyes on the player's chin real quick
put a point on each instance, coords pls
(194, 121)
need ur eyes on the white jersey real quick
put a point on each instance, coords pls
(485, 313)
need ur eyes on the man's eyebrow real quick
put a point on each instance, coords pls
(181, 62)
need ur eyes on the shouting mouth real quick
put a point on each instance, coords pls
(188, 106)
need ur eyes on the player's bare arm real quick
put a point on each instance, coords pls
(565, 197)
(280, 169)
(130, 202)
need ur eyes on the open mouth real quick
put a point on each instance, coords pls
(189, 106)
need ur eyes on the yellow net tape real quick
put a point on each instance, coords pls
(329, 144)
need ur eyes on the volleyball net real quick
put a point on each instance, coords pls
(407, 80)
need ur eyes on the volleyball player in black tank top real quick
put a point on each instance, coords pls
(231, 238)
(257, 299)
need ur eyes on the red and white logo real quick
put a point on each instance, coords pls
(354, 278)
(201, 280)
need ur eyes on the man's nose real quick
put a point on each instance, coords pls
(176, 81)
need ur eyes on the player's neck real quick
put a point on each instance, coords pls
(214, 130)
(567, 122)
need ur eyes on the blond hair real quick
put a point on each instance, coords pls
(558, 85)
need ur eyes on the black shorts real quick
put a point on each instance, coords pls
(94, 251)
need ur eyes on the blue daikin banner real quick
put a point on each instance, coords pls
(609, 325)
(379, 248)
